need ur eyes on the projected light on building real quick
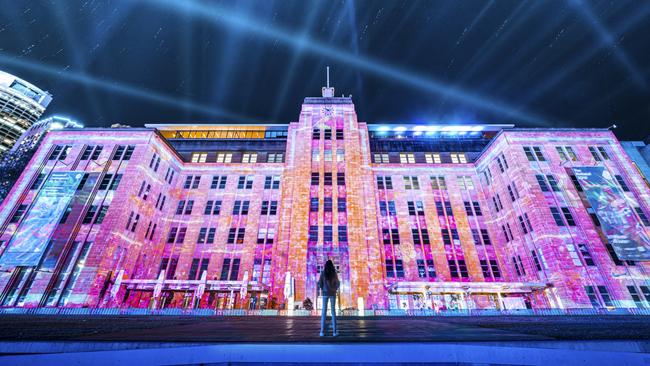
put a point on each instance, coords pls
(244, 216)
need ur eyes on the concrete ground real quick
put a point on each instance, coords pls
(193, 340)
(305, 329)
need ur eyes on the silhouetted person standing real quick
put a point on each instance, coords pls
(329, 285)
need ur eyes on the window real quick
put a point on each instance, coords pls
(339, 134)
(457, 158)
(621, 182)
(240, 207)
(128, 153)
(575, 182)
(218, 182)
(155, 162)
(313, 204)
(102, 213)
(269, 207)
(486, 237)
(245, 182)
(60, 152)
(192, 182)
(642, 216)
(407, 158)
(390, 269)
(212, 207)
(315, 177)
(234, 272)
(465, 182)
(275, 157)
(180, 207)
(534, 153)
(384, 182)
(136, 219)
(327, 179)
(432, 158)
(272, 182)
(522, 224)
(340, 179)
(169, 175)
(553, 183)
(327, 155)
(20, 211)
(458, 268)
(415, 208)
(399, 268)
(327, 133)
(438, 183)
(86, 154)
(599, 153)
(90, 214)
(340, 155)
(636, 297)
(542, 183)
(199, 157)
(557, 216)
(249, 158)
(568, 217)
(37, 182)
(236, 235)
(327, 204)
(502, 163)
(381, 158)
(574, 255)
(566, 153)
(224, 158)
(342, 205)
(387, 208)
(586, 255)
(327, 233)
(607, 300)
(411, 182)
(315, 134)
(313, 233)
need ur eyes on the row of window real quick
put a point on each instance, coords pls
(413, 158)
(327, 179)
(328, 204)
(243, 182)
(246, 157)
(91, 152)
(328, 233)
(465, 182)
(327, 134)
(566, 153)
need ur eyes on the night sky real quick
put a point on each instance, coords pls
(532, 63)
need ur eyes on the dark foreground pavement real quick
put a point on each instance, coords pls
(305, 329)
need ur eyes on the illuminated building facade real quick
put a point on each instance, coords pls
(235, 216)
(21, 105)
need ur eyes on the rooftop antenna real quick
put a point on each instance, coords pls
(328, 76)
(328, 92)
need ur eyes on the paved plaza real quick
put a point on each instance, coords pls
(263, 340)
(305, 329)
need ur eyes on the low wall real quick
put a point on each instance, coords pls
(241, 312)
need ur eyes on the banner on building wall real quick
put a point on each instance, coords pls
(617, 217)
(30, 240)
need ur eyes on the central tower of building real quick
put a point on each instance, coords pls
(330, 210)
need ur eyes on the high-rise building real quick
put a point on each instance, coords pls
(21, 105)
(13, 162)
(244, 216)
(639, 152)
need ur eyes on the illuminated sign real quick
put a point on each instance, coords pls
(35, 231)
(618, 220)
